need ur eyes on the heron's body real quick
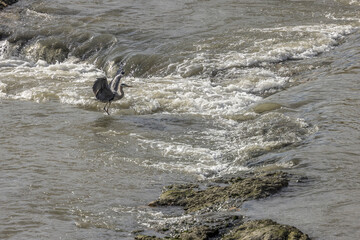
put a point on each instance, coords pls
(109, 92)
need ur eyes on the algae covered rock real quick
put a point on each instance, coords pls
(252, 230)
(265, 229)
(144, 237)
(199, 233)
(195, 233)
(239, 190)
(205, 221)
(176, 195)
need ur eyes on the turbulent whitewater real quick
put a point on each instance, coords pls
(219, 87)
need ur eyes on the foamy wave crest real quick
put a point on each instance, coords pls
(301, 41)
(200, 161)
(192, 96)
(287, 43)
(350, 2)
(227, 147)
(69, 82)
(35, 14)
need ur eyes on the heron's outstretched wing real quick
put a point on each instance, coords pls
(114, 84)
(102, 91)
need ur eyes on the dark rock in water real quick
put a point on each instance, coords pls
(239, 190)
(199, 233)
(265, 229)
(252, 230)
(5, 3)
(176, 195)
(205, 221)
(4, 33)
(143, 237)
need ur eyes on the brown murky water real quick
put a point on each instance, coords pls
(219, 88)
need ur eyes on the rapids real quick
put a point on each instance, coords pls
(219, 87)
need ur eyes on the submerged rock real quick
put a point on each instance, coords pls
(265, 229)
(266, 107)
(239, 190)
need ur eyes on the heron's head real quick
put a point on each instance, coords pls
(125, 85)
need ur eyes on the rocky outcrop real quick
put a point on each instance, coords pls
(143, 237)
(213, 210)
(251, 230)
(265, 229)
(239, 190)
(5, 3)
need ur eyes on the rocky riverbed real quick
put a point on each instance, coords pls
(224, 197)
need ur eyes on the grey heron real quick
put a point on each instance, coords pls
(109, 92)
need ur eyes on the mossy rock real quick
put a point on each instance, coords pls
(144, 237)
(175, 195)
(265, 230)
(252, 230)
(196, 233)
(240, 189)
(199, 233)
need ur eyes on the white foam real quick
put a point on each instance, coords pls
(352, 2)
(3, 49)
(290, 42)
(151, 218)
(229, 146)
(193, 96)
(34, 14)
(69, 82)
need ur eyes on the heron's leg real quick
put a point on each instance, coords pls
(106, 110)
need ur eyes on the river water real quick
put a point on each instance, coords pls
(219, 88)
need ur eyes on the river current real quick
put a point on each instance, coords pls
(219, 88)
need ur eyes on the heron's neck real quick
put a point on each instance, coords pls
(117, 95)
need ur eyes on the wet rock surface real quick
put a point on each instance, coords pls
(5, 3)
(231, 196)
(265, 229)
(250, 230)
(213, 211)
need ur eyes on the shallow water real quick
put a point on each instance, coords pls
(219, 88)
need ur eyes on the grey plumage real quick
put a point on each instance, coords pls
(108, 92)
(102, 90)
